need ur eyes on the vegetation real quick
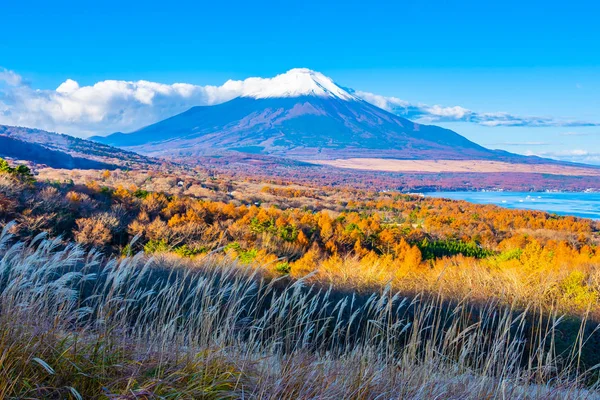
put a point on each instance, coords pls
(265, 168)
(21, 172)
(141, 284)
(442, 248)
(354, 240)
(73, 326)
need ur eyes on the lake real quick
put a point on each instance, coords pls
(585, 205)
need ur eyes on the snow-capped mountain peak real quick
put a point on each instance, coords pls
(302, 114)
(294, 83)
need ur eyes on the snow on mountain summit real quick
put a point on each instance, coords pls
(294, 83)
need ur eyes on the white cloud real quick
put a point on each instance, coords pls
(573, 155)
(10, 77)
(104, 107)
(435, 113)
(456, 112)
(111, 105)
(571, 133)
(520, 144)
(387, 103)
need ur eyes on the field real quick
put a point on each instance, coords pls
(174, 282)
(265, 169)
(479, 166)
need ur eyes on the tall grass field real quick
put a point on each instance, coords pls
(76, 325)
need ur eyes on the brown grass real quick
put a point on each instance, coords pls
(480, 166)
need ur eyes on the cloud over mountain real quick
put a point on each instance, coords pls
(573, 155)
(435, 114)
(103, 107)
(114, 105)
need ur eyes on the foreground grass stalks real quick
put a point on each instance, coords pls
(73, 325)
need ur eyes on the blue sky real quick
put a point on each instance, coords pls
(531, 59)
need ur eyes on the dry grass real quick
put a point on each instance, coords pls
(481, 166)
(73, 325)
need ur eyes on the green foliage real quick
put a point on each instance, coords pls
(289, 233)
(127, 251)
(186, 251)
(243, 256)
(141, 194)
(256, 226)
(412, 217)
(22, 172)
(156, 246)
(233, 246)
(4, 167)
(351, 228)
(283, 267)
(443, 248)
(512, 254)
(246, 257)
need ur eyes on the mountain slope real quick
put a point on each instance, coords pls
(36, 153)
(64, 151)
(296, 126)
(304, 115)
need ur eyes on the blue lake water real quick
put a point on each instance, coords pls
(585, 205)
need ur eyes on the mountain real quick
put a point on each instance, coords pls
(64, 151)
(33, 152)
(301, 114)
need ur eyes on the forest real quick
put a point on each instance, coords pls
(365, 241)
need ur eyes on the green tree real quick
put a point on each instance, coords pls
(4, 167)
(24, 173)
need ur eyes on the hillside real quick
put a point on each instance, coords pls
(60, 151)
(36, 153)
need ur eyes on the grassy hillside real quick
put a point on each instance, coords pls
(129, 327)
(75, 326)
